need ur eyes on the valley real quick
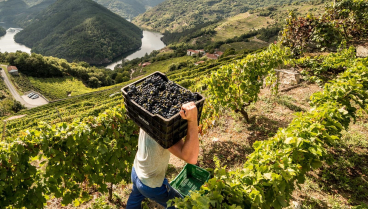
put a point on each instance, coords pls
(151, 41)
(178, 16)
(7, 43)
(80, 30)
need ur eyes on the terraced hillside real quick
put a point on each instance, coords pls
(179, 15)
(224, 33)
(65, 110)
(92, 104)
(265, 146)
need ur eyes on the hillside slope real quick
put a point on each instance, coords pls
(10, 9)
(240, 24)
(82, 30)
(128, 8)
(178, 15)
(33, 2)
(28, 15)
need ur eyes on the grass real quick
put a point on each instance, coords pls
(239, 46)
(162, 66)
(57, 88)
(240, 24)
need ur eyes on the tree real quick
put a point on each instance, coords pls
(94, 82)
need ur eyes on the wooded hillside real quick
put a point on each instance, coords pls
(9, 9)
(178, 15)
(80, 30)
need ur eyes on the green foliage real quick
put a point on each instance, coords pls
(92, 152)
(122, 77)
(342, 23)
(58, 88)
(207, 28)
(229, 51)
(238, 84)
(23, 19)
(10, 106)
(7, 104)
(82, 30)
(268, 178)
(319, 68)
(2, 31)
(180, 65)
(10, 9)
(128, 8)
(39, 66)
(64, 110)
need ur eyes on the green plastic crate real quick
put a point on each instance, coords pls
(191, 178)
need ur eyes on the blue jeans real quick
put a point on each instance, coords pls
(159, 194)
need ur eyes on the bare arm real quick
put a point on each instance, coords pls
(188, 150)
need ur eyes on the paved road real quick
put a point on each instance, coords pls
(13, 91)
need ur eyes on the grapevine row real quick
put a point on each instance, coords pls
(95, 152)
(268, 177)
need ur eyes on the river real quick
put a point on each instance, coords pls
(7, 43)
(150, 41)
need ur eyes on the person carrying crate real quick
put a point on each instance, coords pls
(151, 162)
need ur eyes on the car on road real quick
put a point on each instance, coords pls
(35, 96)
(30, 95)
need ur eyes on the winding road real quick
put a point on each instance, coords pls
(12, 89)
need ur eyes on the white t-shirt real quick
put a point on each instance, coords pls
(151, 161)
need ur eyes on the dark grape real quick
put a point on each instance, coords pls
(160, 97)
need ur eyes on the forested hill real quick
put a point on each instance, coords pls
(28, 15)
(178, 15)
(125, 8)
(9, 9)
(2, 31)
(80, 30)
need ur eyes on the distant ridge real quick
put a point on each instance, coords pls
(80, 30)
(28, 15)
(128, 8)
(10, 9)
(179, 15)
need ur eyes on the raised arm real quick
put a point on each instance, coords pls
(188, 150)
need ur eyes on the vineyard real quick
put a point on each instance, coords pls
(58, 88)
(94, 103)
(64, 111)
(74, 148)
(290, 153)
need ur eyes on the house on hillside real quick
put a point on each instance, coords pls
(191, 52)
(13, 70)
(201, 51)
(219, 53)
(214, 56)
(211, 56)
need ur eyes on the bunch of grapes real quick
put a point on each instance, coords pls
(161, 97)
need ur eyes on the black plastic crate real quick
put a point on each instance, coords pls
(165, 132)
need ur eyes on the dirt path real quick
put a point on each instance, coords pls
(258, 40)
(12, 89)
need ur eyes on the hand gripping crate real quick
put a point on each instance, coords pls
(191, 178)
(165, 132)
